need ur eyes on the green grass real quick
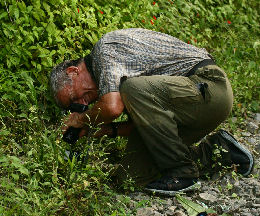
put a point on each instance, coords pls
(36, 35)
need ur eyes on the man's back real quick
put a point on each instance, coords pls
(136, 52)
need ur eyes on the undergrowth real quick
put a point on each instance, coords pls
(35, 179)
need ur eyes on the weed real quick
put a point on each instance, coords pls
(35, 179)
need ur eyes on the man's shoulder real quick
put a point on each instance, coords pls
(128, 33)
(133, 35)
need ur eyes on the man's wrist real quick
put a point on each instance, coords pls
(83, 119)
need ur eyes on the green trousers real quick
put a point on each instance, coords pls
(170, 114)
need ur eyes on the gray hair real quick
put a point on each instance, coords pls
(59, 78)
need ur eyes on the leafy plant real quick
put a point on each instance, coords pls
(195, 209)
(35, 179)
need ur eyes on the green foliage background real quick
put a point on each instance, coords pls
(35, 35)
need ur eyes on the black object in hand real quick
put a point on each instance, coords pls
(202, 214)
(76, 107)
(72, 134)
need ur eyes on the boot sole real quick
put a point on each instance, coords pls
(172, 193)
(232, 140)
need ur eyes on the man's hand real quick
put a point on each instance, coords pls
(105, 110)
(76, 120)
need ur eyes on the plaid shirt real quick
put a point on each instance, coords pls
(139, 52)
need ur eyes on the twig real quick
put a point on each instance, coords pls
(8, 13)
(51, 46)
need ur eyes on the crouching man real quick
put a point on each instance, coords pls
(174, 94)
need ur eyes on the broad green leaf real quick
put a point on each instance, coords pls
(36, 16)
(2, 210)
(256, 44)
(22, 115)
(15, 176)
(115, 213)
(46, 6)
(21, 192)
(3, 15)
(51, 28)
(4, 159)
(192, 208)
(4, 132)
(23, 170)
(16, 13)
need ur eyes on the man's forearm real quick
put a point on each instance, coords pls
(122, 129)
(105, 110)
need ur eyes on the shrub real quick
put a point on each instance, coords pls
(36, 35)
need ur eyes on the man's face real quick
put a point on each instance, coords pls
(81, 91)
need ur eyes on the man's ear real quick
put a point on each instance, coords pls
(72, 71)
